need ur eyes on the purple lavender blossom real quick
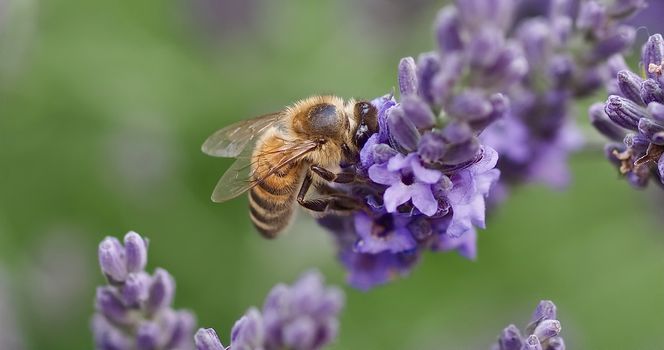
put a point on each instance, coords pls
(633, 118)
(303, 316)
(541, 333)
(567, 45)
(134, 312)
(426, 172)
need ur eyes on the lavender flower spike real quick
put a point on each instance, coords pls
(636, 113)
(303, 316)
(425, 175)
(542, 332)
(134, 311)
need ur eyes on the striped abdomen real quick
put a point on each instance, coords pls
(271, 201)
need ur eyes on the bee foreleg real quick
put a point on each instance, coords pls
(342, 178)
(334, 201)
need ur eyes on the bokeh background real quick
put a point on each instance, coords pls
(104, 105)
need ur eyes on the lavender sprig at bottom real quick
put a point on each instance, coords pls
(634, 117)
(303, 316)
(542, 333)
(133, 312)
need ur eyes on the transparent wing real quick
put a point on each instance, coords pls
(241, 176)
(231, 140)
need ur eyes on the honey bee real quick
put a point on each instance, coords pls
(281, 156)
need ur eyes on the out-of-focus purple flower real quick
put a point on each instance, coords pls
(568, 45)
(134, 312)
(303, 316)
(633, 119)
(541, 333)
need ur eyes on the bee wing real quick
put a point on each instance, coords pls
(231, 140)
(240, 176)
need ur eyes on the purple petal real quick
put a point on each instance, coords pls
(379, 173)
(428, 176)
(396, 195)
(399, 162)
(423, 199)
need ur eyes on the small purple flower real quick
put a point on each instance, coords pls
(388, 233)
(408, 180)
(303, 316)
(542, 332)
(135, 310)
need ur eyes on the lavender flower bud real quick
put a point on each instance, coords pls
(592, 16)
(207, 339)
(545, 310)
(511, 66)
(136, 252)
(485, 47)
(470, 105)
(407, 76)
(418, 112)
(248, 331)
(656, 110)
(147, 337)
(630, 86)
(448, 30)
(404, 135)
(135, 289)
(428, 65)
(532, 343)
(510, 339)
(651, 92)
(653, 53)
(660, 167)
(107, 337)
(432, 147)
(443, 82)
(556, 343)
(618, 41)
(653, 131)
(300, 334)
(624, 112)
(185, 322)
(561, 69)
(637, 142)
(499, 106)
(112, 260)
(161, 291)
(461, 153)
(547, 329)
(457, 132)
(600, 120)
(536, 37)
(110, 305)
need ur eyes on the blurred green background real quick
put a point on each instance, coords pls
(104, 105)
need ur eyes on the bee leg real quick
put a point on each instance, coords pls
(342, 178)
(335, 201)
